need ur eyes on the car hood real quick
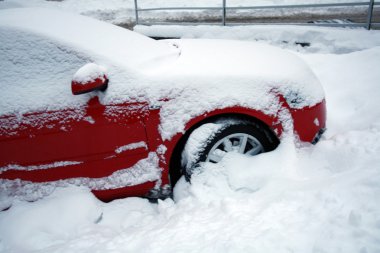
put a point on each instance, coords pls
(229, 67)
(214, 74)
(233, 63)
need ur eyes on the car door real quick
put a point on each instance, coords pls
(89, 140)
(93, 138)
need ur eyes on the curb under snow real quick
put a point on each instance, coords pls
(316, 39)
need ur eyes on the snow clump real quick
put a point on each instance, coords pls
(89, 72)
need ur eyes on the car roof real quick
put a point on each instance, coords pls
(41, 49)
(87, 35)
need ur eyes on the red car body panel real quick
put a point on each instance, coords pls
(309, 121)
(92, 142)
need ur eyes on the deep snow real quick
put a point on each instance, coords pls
(320, 39)
(298, 198)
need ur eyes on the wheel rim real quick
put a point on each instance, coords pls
(239, 143)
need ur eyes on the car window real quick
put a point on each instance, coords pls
(36, 72)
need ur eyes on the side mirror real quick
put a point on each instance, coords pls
(88, 78)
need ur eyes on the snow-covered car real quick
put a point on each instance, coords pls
(88, 103)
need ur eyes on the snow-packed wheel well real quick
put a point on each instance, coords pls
(175, 159)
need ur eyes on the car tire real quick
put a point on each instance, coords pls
(211, 141)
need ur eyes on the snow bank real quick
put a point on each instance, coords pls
(305, 200)
(351, 87)
(243, 204)
(57, 218)
(321, 39)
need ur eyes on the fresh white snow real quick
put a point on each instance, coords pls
(131, 146)
(298, 198)
(206, 77)
(62, 213)
(321, 39)
(89, 72)
(145, 170)
(40, 167)
(197, 142)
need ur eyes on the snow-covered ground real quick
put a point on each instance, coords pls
(298, 198)
(315, 39)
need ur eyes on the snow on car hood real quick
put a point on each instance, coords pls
(211, 74)
(227, 63)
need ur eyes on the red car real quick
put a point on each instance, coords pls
(88, 103)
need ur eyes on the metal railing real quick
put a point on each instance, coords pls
(224, 8)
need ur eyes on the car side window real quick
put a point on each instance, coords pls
(35, 71)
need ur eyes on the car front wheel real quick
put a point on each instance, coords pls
(210, 142)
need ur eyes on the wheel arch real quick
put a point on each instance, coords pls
(176, 145)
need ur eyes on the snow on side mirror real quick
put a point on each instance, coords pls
(88, 78)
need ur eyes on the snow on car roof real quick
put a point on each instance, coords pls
(41, 49)
(83, 33)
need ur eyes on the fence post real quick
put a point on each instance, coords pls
(136, 13)
(224, 13)
(370, 11)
